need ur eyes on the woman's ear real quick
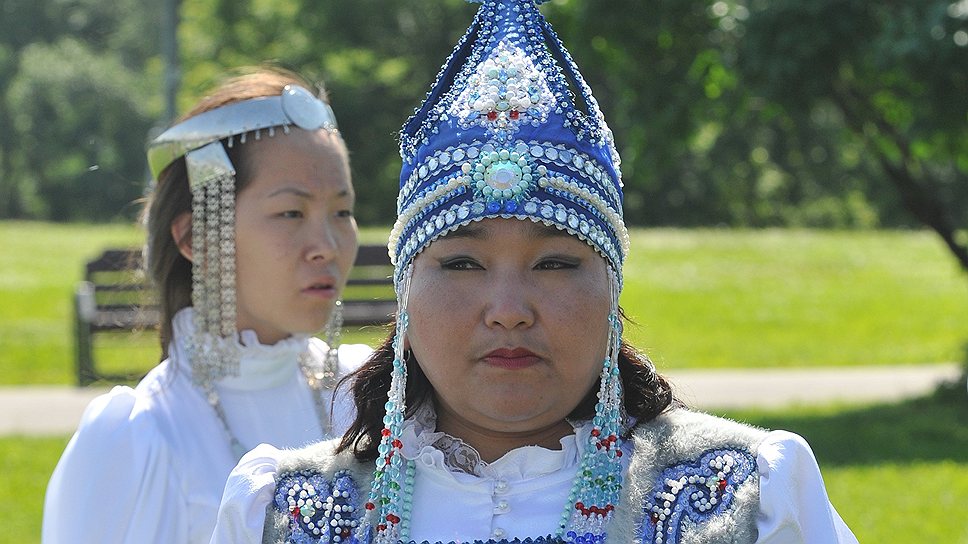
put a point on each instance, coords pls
(181, 232)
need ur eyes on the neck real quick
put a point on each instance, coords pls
(491, 444)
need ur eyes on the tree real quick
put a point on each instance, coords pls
(896, 73)
(76, 106)
(81, 121)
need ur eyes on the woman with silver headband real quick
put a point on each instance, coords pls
(251, 236)
(506, 407)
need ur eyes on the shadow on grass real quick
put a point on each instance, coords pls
(931, 428)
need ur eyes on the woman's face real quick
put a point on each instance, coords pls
(508, 320)
(295, 233)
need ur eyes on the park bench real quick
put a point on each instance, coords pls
(115, 297)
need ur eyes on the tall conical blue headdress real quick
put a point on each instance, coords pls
(509, 129)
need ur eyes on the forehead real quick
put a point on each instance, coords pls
(298, 157)
(318, 145)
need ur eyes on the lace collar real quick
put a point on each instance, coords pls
(423, 443)
(261, 366)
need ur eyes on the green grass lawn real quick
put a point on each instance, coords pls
(897, 473)
(699, 298)
(724, 298)
(27, 464)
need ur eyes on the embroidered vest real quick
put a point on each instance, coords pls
(692, 479)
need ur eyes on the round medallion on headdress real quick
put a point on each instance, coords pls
(305, 110)
(501, 179)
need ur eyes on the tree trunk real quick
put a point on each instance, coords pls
(916, 194)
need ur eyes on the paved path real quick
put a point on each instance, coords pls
(56, 410)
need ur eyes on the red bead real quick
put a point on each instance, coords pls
(397, 444)
(381, 527)
(393, 519)
(515, 114)
(295, 511)
(369, 506)
(580, 505)
(654, 517)
(491, 115)
(385, 432)
(722, 485)
(596, 432)
(618, 453)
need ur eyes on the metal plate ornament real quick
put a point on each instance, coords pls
(305, 110)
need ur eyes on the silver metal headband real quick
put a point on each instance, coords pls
(294, 106)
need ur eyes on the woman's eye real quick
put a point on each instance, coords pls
(556, 264)
(344, 213)
(460, 263)
(291, 214)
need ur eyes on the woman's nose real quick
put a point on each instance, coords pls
(323, 243)
(509, 302)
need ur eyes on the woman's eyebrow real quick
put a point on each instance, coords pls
(302, 193)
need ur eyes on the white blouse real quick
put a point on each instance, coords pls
(148, 464)
(522, 493)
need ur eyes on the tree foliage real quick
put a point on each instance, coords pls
(76, 107)
(895, 74)
(831, 113)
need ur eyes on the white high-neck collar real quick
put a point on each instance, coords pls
(421, 443)
(261, 366)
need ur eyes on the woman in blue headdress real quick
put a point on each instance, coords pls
(505, 406)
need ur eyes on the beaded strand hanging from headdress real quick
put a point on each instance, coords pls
(212, 181)
(501, 134)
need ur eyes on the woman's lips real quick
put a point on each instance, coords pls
(325, 291)
(511, 359)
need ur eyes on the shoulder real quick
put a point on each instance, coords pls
(121, 424)
(354, 354)
(121, 411)
(691, 473)
(351, 356)
(116, 448)
(681, 434)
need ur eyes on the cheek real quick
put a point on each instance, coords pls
(579, 326)
(349, 245)
(439, 316)
(262, 242)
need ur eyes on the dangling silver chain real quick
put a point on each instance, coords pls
(312, 370)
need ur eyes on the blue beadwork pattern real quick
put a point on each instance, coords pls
(694, 492)
(529, 540)
(320, 511)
